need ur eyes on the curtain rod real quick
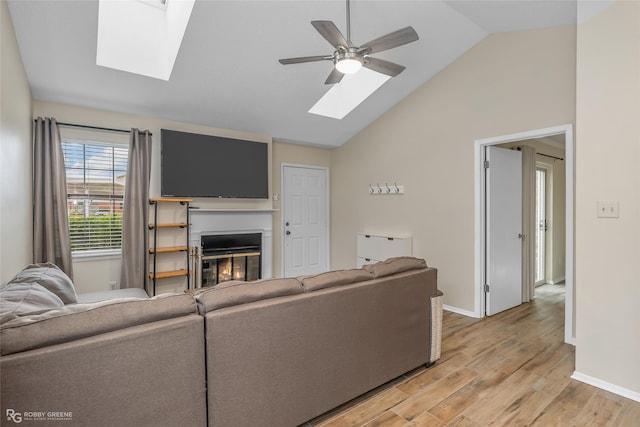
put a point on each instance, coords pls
(541, 154)
(553, 157)
(93, 127)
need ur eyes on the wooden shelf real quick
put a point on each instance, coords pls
(177, 224)
(169, 199)
(171, 249)
(158, 228)
(167, 274)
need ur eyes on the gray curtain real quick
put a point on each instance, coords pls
(51, 241)
(135, 215)
(528, 222)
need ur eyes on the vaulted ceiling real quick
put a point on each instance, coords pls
(227, 73)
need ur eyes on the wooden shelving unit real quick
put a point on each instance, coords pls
(156, 251)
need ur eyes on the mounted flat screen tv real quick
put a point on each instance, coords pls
(194, 165)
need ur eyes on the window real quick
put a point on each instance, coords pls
(96, 174)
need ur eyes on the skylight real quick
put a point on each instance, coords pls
(343, 97)
(140, 39)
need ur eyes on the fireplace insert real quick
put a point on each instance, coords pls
(231, 257)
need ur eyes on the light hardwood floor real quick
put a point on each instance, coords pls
(511, 369)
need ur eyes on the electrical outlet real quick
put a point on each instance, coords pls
(113, 285)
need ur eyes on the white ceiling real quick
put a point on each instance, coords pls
(227, 73)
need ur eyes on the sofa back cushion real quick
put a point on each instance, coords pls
(395, 265)
(237, 292)
(76, 321)
(51, 277)
(334, 278)
(19, 299)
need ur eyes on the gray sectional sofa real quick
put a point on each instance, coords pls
(275, 352)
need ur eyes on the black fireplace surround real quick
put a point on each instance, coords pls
(231, 257)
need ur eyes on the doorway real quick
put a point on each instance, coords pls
(305, 220)
(480, 218)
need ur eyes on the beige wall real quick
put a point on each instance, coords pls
(608, 168)
(293, 154)
(15, 155)
(507, 83)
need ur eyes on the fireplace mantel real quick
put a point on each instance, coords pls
(232, 221)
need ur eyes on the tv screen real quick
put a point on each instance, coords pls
(196, 165)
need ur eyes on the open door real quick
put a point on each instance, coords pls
(503, 281)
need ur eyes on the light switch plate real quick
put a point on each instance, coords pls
(608, 209)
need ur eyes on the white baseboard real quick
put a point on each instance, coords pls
(558, 280)
(460, 311)
(620, 391)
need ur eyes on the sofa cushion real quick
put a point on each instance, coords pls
(19, 299)
(334, 278)
(51, 277)
(232, 293)
(112, 294)
(76, 321)
(395, 265)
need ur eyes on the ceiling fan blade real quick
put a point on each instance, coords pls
(302, 59)
(334, 77)
(389, 41)
(331, 33)
(382, 66)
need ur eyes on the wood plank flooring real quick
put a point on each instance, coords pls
(511, 369)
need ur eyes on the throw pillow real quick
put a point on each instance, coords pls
(19, 299)
(51, 277)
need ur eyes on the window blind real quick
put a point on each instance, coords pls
(96, 176)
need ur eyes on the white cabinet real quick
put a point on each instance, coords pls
(372, 248)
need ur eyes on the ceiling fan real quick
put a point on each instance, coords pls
(349, 58)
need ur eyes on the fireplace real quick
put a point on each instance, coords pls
(230, 257)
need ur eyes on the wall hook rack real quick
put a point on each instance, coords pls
(386, 189)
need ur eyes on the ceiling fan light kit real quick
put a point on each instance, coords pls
(348, 62)
(349, 58)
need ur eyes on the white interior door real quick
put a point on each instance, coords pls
(503, 229)
(305, 220)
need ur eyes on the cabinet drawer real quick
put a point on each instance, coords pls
(393, 247)
(379, 248)
(368, 246)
